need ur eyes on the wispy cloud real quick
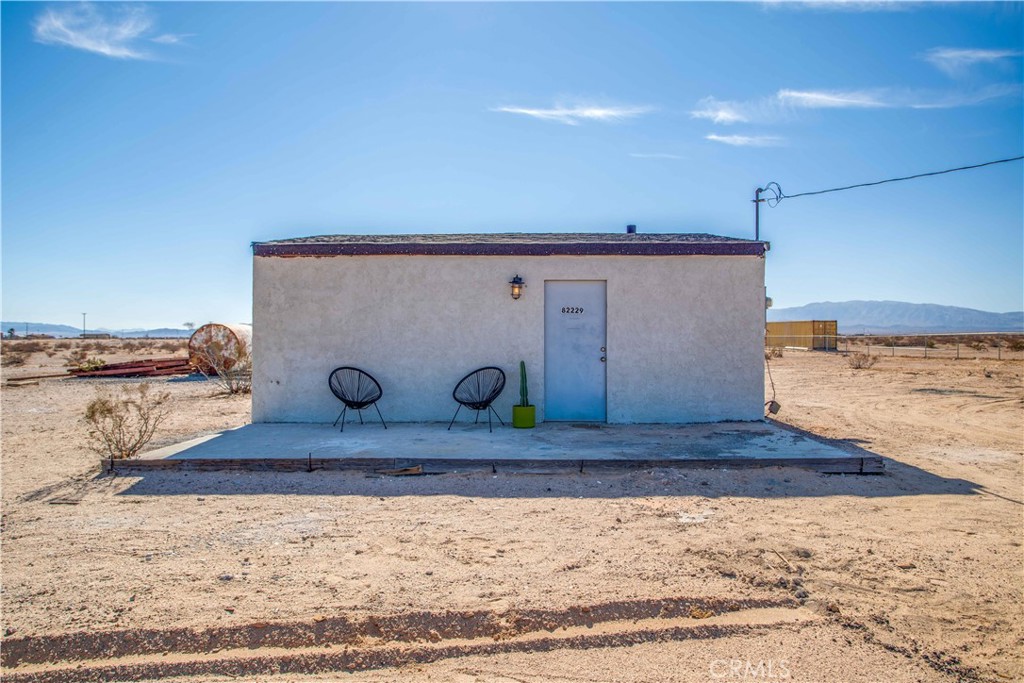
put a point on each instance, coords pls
(171, 38)
(968, 98)
(574, 115)
(841, 5)
(718, 111)
(747, 140)
(829, 99)
(956, 61)
(785, 103)
(895, 98)
(109, 30)
(782, 104)
(654, 155)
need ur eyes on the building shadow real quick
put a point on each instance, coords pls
(582, 480)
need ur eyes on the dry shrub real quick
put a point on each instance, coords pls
(13, 359)
(123, 424)
(62, 345)
(79, 360)
(130, 346)
(172, 346)
(861, 361)
(978, 345)
(1017, 344)
(230, 364)
(75, 357)
(773, 352)
(29, 346)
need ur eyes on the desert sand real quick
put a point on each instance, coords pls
(664, 575)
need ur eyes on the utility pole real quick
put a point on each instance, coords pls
(757, 213)
(83, 326)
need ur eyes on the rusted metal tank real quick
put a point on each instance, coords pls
(216, 344)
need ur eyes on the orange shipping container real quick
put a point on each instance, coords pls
(818, 335)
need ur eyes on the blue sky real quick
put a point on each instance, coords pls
(146, 146)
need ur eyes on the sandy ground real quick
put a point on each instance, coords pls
(773, 574)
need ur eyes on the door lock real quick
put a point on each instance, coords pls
(602, 359)
(602, 349)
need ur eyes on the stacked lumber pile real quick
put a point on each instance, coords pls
(153, 367)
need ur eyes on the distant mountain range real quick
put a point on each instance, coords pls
(854, 317)
(69, 331)
(881, 317)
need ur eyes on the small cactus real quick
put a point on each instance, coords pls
(524, 393)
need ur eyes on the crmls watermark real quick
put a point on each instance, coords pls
(746, 670)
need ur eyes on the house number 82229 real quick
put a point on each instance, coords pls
(572, 309)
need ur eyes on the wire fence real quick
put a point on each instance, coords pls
(963, 346)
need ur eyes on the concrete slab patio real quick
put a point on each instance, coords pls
(548, 447)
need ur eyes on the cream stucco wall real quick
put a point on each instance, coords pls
(685, 333)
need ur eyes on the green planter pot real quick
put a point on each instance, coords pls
(524, 417)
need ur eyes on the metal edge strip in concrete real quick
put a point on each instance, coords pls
(840, 465)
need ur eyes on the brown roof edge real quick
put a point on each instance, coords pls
(672, 248)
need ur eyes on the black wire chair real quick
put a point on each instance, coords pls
(477, 391)
(357, 390)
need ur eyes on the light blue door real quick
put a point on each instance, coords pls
(574, 350)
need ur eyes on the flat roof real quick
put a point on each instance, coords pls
(515, 244)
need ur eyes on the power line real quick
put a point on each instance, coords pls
(777, 195)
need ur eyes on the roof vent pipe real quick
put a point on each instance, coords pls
(630, 229)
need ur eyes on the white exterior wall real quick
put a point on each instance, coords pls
(685, 333)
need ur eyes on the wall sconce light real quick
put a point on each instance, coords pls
(517, 286)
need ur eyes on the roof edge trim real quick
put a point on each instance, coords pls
(738, 248)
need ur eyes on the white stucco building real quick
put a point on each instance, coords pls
(618, 328)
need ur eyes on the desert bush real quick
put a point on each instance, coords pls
(14, 359)
(29, 346)
(62, 345)
(75, 357)
(171, 346)
(79, 360)
(129, 346)
(861, 361)
(1016, 344)
(773, 352)
(978, 345)
(123, 424)
(229, 364)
